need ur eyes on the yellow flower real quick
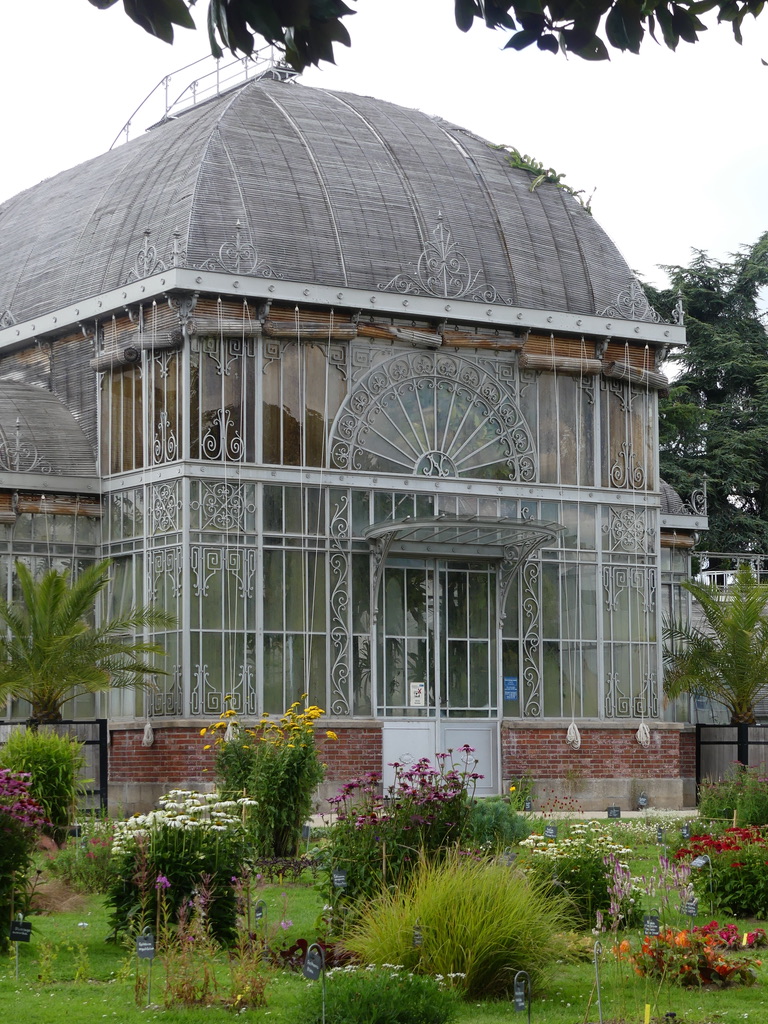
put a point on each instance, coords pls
(512, 789)
(207, 746)
(331, 734)
(203, 732)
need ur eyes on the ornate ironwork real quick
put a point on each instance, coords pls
(165, 564)
(632, 304)
(146, 262)
(444, 271)
(21, 455)
(224, 506)
(340, 608)
(619, 703)
(166, 446)
(627, 471)
(640, 578)
(531, 641)
(433, 414)
(222, 440)
(239, 257)
(628, 529)
(166, 699)
(164, 506)
(7, 319)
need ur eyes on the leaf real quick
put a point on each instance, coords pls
(624, 27)
(522, 39)
(465, 12)
(548, 43)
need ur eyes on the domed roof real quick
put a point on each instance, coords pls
(38, 434)
(275, 179)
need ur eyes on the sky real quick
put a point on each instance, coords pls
(672, 145)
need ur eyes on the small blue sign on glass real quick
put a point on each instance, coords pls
(510, 687)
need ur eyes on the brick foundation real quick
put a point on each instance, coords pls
(609, 765)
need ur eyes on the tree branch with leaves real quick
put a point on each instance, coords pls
(307, 30)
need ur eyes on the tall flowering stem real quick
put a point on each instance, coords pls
(22, 819)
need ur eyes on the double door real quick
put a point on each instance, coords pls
(437, 663)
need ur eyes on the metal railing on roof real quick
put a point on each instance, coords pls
(170, 97)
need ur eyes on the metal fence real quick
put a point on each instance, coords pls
(719, 747)
(95, 774)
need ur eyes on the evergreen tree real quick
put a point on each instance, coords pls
(715, 420)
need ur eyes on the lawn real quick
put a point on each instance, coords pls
(69, 973)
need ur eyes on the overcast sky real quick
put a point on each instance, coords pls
(673, 145)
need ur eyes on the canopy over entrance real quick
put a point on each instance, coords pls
(505, 540)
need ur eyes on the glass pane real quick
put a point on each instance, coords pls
(394, 602)
(273, 589)
(478, 674)
(478, 604)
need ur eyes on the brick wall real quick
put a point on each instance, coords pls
(177, 755)
(604, 754)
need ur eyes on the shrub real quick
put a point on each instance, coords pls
(688, 958)
(54, 763)
(21, 820)
(585, 861)
(379, 840)
(276, 764)
(377, 995)
(162, 857)
(743, 792)
(480, 922)
(739, 878)
(495, 823)
(86, 862)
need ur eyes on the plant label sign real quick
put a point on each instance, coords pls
(528, 805)
(145, 946)
(519, 996)
(613, 811)
(339, 878)
(651, 924)
(659, 834)
(313, 965)
(691, 907)
(642, 801)
(418, 938)
(21, 931)
(259, 910)
(306, 832)
(550, 832)
(686, 831)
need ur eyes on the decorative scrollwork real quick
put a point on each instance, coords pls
(632, 304)
(627, 471)
(224, 506)
(433, 414)
(164, 508)
(21, 455)
(239, 257)
(628, 529)
(531, 616)
(619, 703)
(146, 262)
(640, 578)
(443, 270)
(7, 319)
(339, 564)
(165, 565)
(165, 447)
(222, 440)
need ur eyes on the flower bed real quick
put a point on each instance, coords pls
(689, 958)
(739, 876)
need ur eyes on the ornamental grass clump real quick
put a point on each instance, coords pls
(588, 864)
(478, 923)
(377, 995)
(54, 764)
(22, 819)
(276, 764)
(379, 840)
(161, 858)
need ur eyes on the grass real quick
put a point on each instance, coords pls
(62, 949)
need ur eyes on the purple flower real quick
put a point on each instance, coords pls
(161, 882)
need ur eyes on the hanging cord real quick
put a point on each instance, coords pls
(643, 734)
(572, 736)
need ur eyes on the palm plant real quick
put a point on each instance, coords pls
(51, 651)
(726, 660)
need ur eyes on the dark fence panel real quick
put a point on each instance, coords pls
(719, 747)
(94, 737)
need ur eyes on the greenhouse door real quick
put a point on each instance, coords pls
(437, 664)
